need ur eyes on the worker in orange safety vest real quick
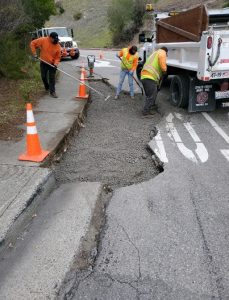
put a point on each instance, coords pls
(153, 70)
(50, 52)
(129, 58)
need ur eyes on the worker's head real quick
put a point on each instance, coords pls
(54, 37)
(133, 49)
(165, 49)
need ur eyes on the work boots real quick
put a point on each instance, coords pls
(54, 95)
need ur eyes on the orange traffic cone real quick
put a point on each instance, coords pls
(101, 56)
(34, 151)
(82, 88)
(84, 72)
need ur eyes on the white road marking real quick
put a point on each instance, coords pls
(179, 116)
(216, 127)
(225, 153)
(221, 132)
(104, 64)
(200, 150)
(160, 149)
(177, 139)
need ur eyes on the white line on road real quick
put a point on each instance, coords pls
(216, 127)
(159, 150)
(225, 153)
(200, 150)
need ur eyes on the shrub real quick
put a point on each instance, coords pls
(125, 17)
(12, 57)
(59, 6)
(77, 16)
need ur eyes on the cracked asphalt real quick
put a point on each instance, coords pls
(165, 234)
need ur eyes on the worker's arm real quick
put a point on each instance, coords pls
(35, 44)
(135, 64)
(162, 57)
(120, 54)
(57, 57)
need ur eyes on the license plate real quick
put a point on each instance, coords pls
(222, 94)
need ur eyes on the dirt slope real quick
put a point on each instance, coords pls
(168, 5)
(92, 29)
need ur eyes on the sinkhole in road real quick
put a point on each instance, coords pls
(112, 147)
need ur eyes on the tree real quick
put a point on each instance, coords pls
(39, 11)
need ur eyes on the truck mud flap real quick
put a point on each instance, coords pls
(201, 96)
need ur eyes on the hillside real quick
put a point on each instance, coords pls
(91, 30)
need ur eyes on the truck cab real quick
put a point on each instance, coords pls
(69, 47)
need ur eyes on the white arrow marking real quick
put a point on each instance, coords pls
(177, 139)
(201, 150)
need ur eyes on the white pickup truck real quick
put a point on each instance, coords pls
(198, 57)
(69, 47)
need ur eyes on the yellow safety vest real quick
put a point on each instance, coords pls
(152, 67)
(127, 63)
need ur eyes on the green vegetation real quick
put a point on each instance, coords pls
(19, 76)
(226, 4)
(125, 18)
(17, 19)
(77, 16)
(59, 6)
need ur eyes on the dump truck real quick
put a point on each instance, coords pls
(198, 57)
(69, 47)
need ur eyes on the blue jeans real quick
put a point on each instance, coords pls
(123, 74)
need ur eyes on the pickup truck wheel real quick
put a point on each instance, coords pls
(179, 91)
(76, 56)
(139, 69)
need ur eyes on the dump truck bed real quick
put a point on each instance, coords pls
(197, 41)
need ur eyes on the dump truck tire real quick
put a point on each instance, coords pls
(179, 91)
(139, 69)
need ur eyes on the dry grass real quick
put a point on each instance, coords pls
(92, 29)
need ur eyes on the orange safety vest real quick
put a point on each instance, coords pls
(128, 59)
(151, 69)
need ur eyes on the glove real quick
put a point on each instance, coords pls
(35, 57)
(55, 66)
(117, 55)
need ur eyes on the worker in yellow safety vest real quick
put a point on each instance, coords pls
(151, 75)
(129, 58)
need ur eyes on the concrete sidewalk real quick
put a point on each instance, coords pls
(21, 182)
